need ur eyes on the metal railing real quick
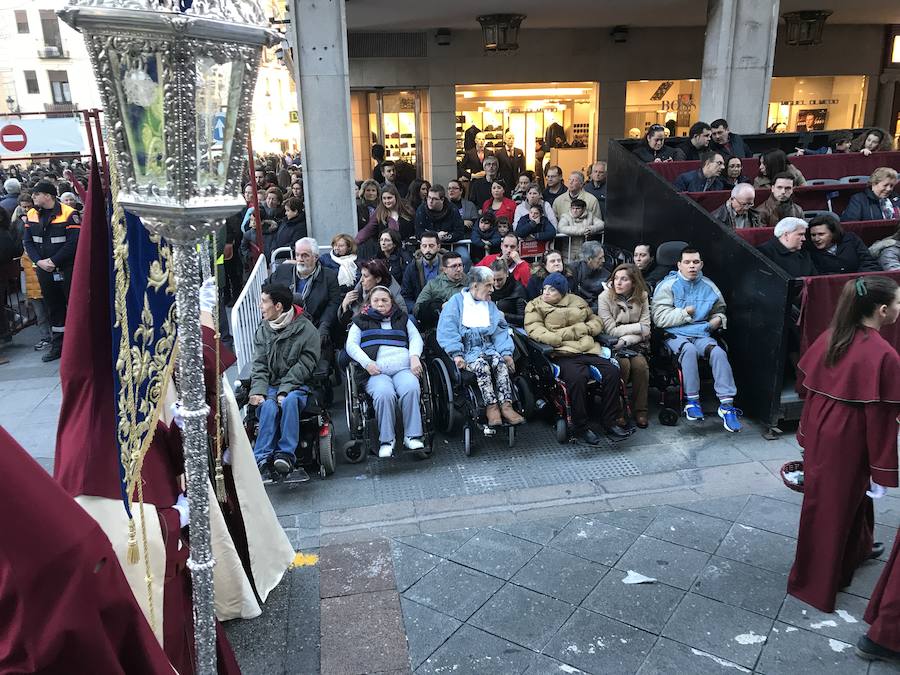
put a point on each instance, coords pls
(245, 315)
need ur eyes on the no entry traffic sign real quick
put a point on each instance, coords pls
(13, 138)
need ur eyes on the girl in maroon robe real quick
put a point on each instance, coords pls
(851, 380)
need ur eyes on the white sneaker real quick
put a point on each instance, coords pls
(413, 443)
(386, 450)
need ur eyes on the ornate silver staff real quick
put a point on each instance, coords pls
(176, 78)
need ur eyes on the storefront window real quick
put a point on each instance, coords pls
(817, 103)
(551, 122)
(389, 118)
(673, 103)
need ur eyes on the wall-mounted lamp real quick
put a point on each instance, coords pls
(804, 29)
(500, 31)
(619, 34)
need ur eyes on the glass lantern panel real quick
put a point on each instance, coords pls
(141, 104)
(218, 91)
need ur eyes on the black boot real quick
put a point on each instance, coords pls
(872, 651)
(55, 350)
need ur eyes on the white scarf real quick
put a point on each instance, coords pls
(346, 268)
(283, 320)
(476, 313)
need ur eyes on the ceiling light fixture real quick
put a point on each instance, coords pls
(541, 92)
(500, 32)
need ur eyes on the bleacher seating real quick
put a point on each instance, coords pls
(643, 208)
(813, 197)
(811, 166)
(869, 231)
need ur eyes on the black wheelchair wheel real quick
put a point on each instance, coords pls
(526, 397)
(326, 451)
(467, 440)
(672, 397)
(445, 414)
(354, 451)
(668, 417)
(562, 431)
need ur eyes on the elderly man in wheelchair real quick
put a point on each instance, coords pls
(385, 342)
(286, 351)
(690, 309)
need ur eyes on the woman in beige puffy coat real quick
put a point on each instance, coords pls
(564, 321)
(624, 309)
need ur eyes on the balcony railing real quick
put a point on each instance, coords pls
(60, 109)
(52, 52)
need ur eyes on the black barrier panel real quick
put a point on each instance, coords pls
(643, 206)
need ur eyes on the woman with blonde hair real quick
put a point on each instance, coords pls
(367, 199)
(877, 201)
(624, 309)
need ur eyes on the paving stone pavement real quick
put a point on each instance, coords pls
(547, 596)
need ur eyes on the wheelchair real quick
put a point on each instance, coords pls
(666, 376)
(361, 419)
(458, 399)
(550, 394)
(315, 450)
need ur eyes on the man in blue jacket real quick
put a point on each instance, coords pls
(704, 179)
(690, 308)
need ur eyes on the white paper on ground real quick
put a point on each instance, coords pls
(634, 578)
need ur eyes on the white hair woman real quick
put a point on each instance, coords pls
(474, 333)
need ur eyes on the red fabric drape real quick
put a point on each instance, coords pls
(819, 298)
(65, 605)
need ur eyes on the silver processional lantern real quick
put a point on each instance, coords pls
(176, 78)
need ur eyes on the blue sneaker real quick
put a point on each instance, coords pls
(730, 415)
(693, 411)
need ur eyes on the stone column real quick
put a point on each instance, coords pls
(441, 126)
(610, 114)
(737, 62)
(887, 87)
(318, 35)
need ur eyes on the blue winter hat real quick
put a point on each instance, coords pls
(557, 281)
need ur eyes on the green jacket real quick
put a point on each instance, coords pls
(284, 359)
(440, 288)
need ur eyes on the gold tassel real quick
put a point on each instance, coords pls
(220, 481)
(133, 556)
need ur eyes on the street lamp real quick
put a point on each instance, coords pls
(176, 78)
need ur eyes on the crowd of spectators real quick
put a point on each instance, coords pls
(502, 235)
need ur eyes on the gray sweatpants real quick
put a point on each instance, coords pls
(689, 350)
(385, 390)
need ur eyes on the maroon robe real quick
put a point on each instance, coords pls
(883, 612)
(65, 605)
(848, 430)
(86, 461)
